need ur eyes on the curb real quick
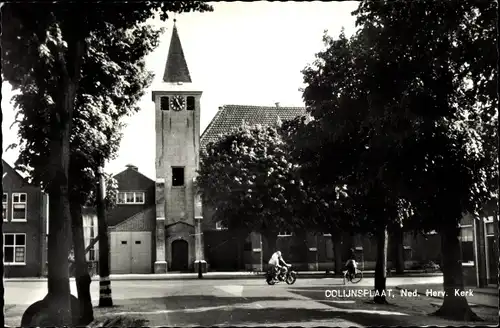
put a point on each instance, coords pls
(215, 276)
(472, 304)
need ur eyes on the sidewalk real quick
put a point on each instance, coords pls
(487, 297)
(232, 275)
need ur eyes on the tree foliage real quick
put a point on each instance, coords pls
(327, 206)
(445, 99)
(247, 178)
(110, 88)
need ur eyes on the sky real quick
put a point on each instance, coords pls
(241, 53)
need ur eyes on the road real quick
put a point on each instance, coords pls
(229, 302)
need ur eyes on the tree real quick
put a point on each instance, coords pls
(43, 55)
(343, 148)
(444, 102)
(249, 181)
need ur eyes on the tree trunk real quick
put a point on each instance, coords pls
(2, 290)
(241, 235)
(348, 243)
(481, 253)
(398, 257)
(58, 297)
(454, 307)
(337, 251)
(381, 267)
(58, 251)
(59, 210)
(271, 239)
(105, 299)
(82, 276)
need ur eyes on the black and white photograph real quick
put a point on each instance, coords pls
(262, 163)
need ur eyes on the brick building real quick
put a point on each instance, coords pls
(24, 213)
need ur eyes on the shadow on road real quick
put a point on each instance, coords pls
(182, 310)
(399, 311)
(183, 302)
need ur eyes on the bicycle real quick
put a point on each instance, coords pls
(352, 278)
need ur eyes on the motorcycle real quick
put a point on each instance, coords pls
(286, 274)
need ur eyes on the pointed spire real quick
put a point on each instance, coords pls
(176, 69)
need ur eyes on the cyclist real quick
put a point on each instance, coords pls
(351, 265)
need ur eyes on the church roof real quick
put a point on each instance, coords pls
(176, 69)
(230, 117)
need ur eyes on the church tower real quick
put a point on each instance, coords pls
(179, 242)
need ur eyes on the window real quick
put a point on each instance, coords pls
(467, 238)
(19, 206)
(131, 197)
(139, 197)
(327, 235)
(177, 176)
(219, 225)
(466, 234)
(490, 229)
(5, 203)
(190, 103)
(90, 233)
(164, 103)
(14, 248)
(284, 233)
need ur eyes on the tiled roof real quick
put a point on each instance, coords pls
(176, 69)
(230, 117)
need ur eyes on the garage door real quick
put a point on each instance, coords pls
(130, 252)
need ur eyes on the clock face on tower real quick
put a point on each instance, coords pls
(177, 103)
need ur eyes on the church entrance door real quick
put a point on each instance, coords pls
(180, 255)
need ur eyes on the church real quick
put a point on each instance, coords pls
(162, 226)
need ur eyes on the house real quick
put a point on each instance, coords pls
(131, 224)
(25, 212)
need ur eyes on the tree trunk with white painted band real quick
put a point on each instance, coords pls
(105, 298)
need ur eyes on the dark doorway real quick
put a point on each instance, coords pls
(180, 256)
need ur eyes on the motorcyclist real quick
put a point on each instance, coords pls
(275, 263)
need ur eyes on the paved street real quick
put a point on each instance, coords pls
(241, 302)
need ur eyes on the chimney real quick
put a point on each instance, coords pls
(277, 104)
(132, 167)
